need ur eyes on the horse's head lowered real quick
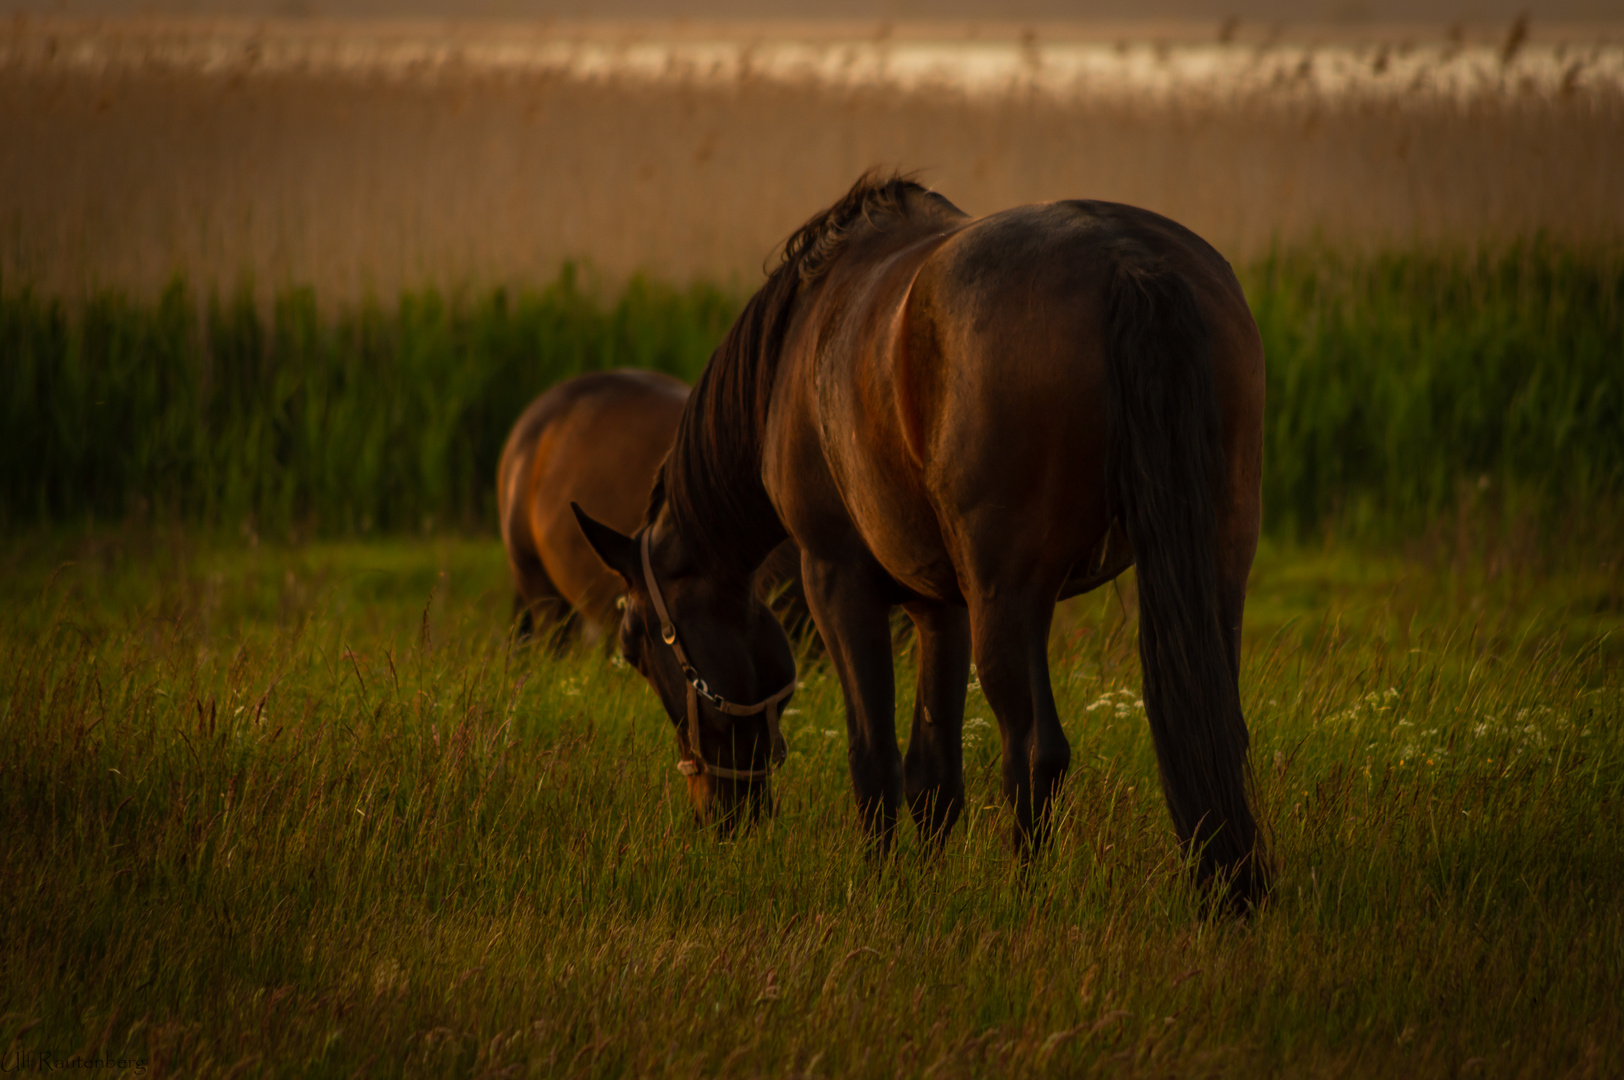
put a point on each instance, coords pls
(717, 657)
(693, 624)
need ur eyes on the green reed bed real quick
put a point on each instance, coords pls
(1403, 385)
(390, 417)
(1399, 386)
(307, 811)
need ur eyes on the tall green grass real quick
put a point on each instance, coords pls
(308, 812)
(385, 418)
(1402, 385)
(1399, 387)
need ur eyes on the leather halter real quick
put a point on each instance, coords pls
(697, 765)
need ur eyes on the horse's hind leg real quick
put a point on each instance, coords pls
(933, 770)
(524, 622)
(1009, 636)
(539, 611)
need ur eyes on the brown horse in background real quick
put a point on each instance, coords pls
(597, 440)
(973, 419)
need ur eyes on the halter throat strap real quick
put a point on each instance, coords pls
(696, 765)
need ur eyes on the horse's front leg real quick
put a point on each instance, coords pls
(933, 770)
(852, 613)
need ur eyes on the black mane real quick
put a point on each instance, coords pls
(711, 480)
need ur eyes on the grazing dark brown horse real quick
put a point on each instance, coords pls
(973, 419)
(597, 440)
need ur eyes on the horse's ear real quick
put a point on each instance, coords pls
(618, 552)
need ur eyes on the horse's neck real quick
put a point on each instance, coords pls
(672, 552)
(743, 529)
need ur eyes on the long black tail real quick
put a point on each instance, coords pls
(1167, 475)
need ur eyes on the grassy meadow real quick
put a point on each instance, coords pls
(307, 810)
(280, 796)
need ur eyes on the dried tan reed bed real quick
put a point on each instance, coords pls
(359, 157)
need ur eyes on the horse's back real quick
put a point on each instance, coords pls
(974, 414)
(1013, 435)
(1022, 294)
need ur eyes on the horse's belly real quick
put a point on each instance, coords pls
(898, 524)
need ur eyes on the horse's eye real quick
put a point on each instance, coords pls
(620, 604)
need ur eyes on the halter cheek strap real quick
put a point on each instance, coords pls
(696, 765)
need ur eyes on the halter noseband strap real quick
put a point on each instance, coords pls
(697, 765)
